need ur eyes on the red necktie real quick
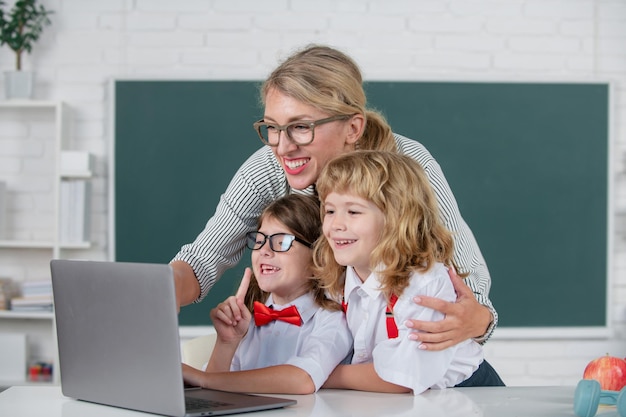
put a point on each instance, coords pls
(263, 315)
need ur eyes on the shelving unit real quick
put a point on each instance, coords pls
(61, 143)
(40, 329)
(42, 241)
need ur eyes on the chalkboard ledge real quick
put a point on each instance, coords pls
(535, 333)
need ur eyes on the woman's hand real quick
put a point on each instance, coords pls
(464, 319)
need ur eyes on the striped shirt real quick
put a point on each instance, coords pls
(261, 180)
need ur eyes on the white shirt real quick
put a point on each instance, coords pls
(261, 180)
(321, 343)
(399, 360)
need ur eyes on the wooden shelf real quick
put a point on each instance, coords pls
(26, 244)
(78, 174)
(9, 383)
(34, 244)
(36, 315)
(28, 103)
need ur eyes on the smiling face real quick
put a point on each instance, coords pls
(303, 164)
(285, 274)
(352, 226)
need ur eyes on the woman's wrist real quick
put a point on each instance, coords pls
(489, 322)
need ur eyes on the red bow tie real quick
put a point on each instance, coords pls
(264, 315)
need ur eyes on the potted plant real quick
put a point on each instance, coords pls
(20, 28)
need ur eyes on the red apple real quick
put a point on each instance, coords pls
(609, 371)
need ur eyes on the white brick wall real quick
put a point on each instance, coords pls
(91, 41)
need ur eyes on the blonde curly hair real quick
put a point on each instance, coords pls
(413, 237)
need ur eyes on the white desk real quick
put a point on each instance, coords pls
(29, 401)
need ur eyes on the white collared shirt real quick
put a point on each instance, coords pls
(399, 360)
(321, 343)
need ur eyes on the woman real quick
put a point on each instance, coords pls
(315, 109)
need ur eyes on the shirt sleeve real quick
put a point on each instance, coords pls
(327, 346)
(467, 255)
(235, 363)
(220, 245)
(399, 360)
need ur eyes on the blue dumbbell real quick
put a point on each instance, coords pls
(588, 396)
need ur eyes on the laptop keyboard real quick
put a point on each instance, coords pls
(200, 404)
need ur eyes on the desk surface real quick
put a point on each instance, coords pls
(29, 401)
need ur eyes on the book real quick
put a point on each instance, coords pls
(3, 209)
(40, 287)
(75, 199)
(32, 303)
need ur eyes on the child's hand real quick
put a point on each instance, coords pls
(231, 317)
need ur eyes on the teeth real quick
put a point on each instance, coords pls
(293, 164)
(344, 242)
(266, 269)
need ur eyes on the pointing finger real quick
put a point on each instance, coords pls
(245, 283)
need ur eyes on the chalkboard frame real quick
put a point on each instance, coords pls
(599, 329)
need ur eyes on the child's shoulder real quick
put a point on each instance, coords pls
(436, 278)
(329, 323)
(308, 307)
(434, 283)
(322, 312)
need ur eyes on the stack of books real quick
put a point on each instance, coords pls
(36, 296)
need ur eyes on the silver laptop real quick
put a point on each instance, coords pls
(117, 329)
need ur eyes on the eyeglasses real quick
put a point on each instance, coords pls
(300, 132)
(279, 242)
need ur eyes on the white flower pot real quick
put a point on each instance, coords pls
(18, 84)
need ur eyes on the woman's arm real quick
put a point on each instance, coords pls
(220, 245)
(361, 377)
(185, 282)
(472, 315)
(280, 379)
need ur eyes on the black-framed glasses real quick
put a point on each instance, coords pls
(279, 242)
(300, 132)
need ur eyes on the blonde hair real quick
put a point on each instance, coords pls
(300, 215)
(413, 237)
(331, 81)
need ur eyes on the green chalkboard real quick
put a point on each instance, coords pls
(528, 163)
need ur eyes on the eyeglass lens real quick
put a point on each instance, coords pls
(300, 133)
(279, 242)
